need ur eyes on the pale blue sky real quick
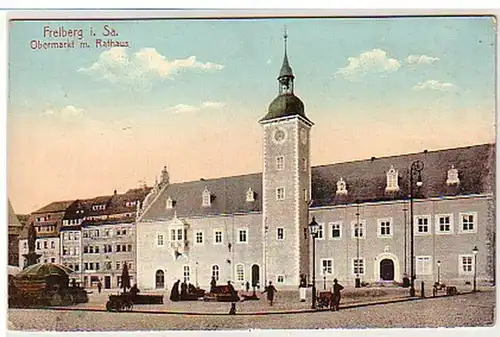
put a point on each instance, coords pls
(354, 76)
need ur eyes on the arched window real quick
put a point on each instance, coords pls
(240, 272)
(215, 272)
(160, 279)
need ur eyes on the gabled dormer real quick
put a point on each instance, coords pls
(392, 180)
(452, 178)
(169, 204)
(341, 187)
(250, 195)
(206, 198)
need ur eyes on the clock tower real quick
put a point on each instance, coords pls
(286, 183)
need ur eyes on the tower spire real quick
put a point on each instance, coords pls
(286, 74)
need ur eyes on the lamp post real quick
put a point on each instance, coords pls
(313, 229)
(405, 210)
(415, 169)
(196, 274)
(439, 272)
(475, 251)
(357, 281)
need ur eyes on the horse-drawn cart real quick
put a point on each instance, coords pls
(122, 302)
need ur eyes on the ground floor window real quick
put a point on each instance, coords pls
(424, 265)
(186, 274)
(240, 273)
(358, 266)
(466, 264)
(280, 279)
(160, 279)
(327, 266)
(215, 272)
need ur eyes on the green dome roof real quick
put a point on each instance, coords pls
(285, 105)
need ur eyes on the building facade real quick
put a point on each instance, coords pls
(255, 227)
(15, 228)
(47, 222)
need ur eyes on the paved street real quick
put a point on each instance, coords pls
(464, 310)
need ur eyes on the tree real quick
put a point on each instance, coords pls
(125, 277)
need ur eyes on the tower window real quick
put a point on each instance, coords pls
(206, 198)
(452, 176)
(280, 193)
(250, 195)
(280, 234)
(170, 203)
(280, 163)
(304, 164)
(341, 187)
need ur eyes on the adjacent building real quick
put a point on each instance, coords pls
(15, 228)
(255, 227)
(47, 222)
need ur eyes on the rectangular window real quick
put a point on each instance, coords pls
(358, 229)
(422, 225)
(129, 248)
(70, 235)
(91, 265)
(53, 260)
(424, 265)
(85, 249)
(65, 250)
(358, 266)
(91, 249)
(97, 266)
(173, 237)
(280, 163)
(45, 244)
(186, 274)
(242, 237)
(179, 234)
(304, 164)
(335, 230)
(468, 222)
(280, 233)
(320, 231)
(199, 237)
(124, 248)
(327, 266)
(38, 245)
(240, 273)
(85, 266)
(52, 244)
(96, 249)
(118, 265)
(444, 224)
(466, 264)
(280, 193)
(118, 248)
(280, 279)
(218, 237)
(384, 227)
(85, 234)
(77, 267)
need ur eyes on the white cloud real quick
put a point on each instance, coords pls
(421, 59)
(434, 85)
(185, 108)
(67, 111)
(117, 66)
(374, 61)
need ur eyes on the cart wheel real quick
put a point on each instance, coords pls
(108, 306)
(55, 300)
(68, 299)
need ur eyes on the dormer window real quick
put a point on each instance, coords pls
(452, 176)
(170, 203)
(207, 198)
(392, 180)
(250, 195)
(341, 187)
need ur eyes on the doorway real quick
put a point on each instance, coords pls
(107, 282)
(255, 276)
(387, 270)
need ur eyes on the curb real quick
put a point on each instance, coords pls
(256, 313)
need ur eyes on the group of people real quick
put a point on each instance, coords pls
(186, 289)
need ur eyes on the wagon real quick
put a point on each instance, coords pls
(122, 302)
(221, 293)
(324, 300)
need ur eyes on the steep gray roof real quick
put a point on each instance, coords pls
(365, 179)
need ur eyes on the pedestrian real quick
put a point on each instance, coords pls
(270, 290)
(247, 286)
(336, 295)
(184, 288)
(302, 288)
(99, 286)
(174, 293)
(213, 284)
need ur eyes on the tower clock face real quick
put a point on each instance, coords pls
(279, 135)
(303, 136)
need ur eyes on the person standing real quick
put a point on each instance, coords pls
(213, 284)
(99, 286)
(184, 288)
(174, 294)
(336, 295)
(302, 288)
(270, 290)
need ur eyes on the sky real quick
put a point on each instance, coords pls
(188, 94)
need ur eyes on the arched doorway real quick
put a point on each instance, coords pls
(255, 276)
(387, 270)
(160, 279)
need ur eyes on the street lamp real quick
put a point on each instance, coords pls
(415, 170)
(439, 272)
(313, 229)
(196, 275)
(475, 251)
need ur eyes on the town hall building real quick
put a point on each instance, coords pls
(254, 227)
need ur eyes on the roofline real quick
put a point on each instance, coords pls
(406, 154)
(265, 120)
